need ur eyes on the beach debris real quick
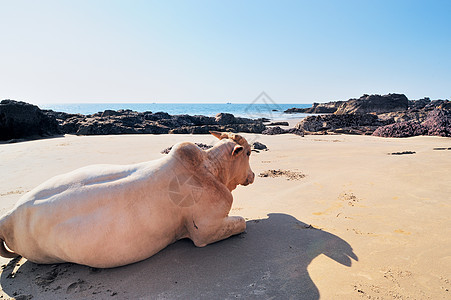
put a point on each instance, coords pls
(402, 153)
(200, 145)
(290, 175)
(441, 149)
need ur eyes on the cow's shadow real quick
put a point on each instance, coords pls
(269, 260)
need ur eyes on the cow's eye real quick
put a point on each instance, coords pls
(249, 153)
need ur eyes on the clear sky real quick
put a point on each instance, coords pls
(223, 51)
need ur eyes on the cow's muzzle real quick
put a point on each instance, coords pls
(249, 179)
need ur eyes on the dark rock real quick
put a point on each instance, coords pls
(445, 105)
(402, 153)
(332, 122)
(317, 108)
(441, 104)
(403, 116)
(225, 119)
(132, 122)
(264, 120)
(22, 120)
(277, 130)
(256, 127)
(400, 129)
(108, 113)
(295, 110)
(419, 104)
(296, 131)
(278, 124)
(374, 104)
(437, 122)
(273, 130)
(259, 146)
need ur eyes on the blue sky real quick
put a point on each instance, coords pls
(223, 51)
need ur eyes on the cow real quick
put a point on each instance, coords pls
(112, 215)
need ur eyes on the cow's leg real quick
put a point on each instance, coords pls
(209, 231)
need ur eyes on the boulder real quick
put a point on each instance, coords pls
(400, 129)
(273, 130)
(259, 146)
(438, 122)
(20, 120)
(374, 104)
(225, 119)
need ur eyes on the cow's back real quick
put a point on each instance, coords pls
(100, 215)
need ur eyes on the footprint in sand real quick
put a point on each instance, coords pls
(349, 197)
(77, 287)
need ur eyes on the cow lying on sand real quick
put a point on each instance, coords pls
(108, 215)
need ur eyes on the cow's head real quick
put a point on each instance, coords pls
(238, 153)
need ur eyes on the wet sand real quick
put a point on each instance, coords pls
(336, 217)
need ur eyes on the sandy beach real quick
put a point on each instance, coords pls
(344, 218)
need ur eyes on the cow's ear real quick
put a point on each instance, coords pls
(237, 150)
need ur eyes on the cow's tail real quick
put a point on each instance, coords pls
(5, 252)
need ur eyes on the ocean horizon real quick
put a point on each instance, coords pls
(271, 111)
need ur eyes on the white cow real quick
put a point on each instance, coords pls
(110, 215)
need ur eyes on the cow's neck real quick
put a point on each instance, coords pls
(219, 166)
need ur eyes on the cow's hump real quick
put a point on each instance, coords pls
(189, 154)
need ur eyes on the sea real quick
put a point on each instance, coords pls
(272, 111)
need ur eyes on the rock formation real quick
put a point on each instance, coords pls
(277, 130)
(348, 123)
(374, 104)
(131, 122)
(20, 120)
(437, 122)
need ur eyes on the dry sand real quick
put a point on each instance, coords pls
(359, 224)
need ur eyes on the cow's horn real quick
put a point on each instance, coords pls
(219, 135)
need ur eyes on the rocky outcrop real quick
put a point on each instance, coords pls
(427, 104)
(400, 129)
(317, 108)
(437, 122)
(19, 120)
(350, 123)
(374, 104)
(419, 104)
(404, 116)
(132, 122)
(277, 130)
(278, 123)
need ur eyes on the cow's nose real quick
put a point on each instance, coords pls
(251, 180)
